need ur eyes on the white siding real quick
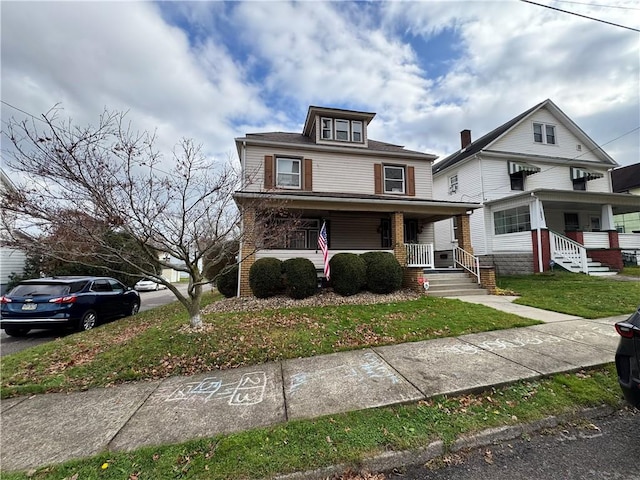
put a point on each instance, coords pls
(596, 239)
(520, 139)
(629, 240)
(11, 261)
(340, 173)
(513, 242)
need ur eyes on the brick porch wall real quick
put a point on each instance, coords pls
(612, 257)
(247, 251)
(488, 279)
(410, 278)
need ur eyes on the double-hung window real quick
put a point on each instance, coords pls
(288, 172)
(327, 129)
(356, 131)
(342, 130)
(453, 184)
(543, 133)
(394, 181)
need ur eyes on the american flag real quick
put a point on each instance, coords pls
(324, 246)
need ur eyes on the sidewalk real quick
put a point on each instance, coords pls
(53, 428)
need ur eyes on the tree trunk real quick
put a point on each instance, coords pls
(195, 321)
(195, 295)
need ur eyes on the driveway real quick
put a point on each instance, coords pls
(9, 345)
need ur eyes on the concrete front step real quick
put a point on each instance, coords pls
(457, 292)
(452, 286)
(602, 274)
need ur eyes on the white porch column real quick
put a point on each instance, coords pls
(606, 222)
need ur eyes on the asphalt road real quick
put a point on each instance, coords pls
(596, 449)
(9, 345)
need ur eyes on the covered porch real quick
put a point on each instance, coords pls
(354, 224)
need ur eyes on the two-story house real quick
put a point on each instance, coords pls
(371, 195)
(11, 260)
(627, 180)
(546, 192)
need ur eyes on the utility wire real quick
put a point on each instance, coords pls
(597, 5)
(580, 15)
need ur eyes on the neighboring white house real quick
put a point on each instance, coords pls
(11, 260)
(371, 195)
(627, 180)
(546, 192)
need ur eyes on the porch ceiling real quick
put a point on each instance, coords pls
(575, 199)
(431, 209)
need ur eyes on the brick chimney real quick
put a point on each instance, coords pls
(465, 138)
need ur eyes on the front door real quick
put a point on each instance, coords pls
(410, 231)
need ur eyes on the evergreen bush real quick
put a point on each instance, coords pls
(227, 281)
(300, 279)
(265, 277)
(348, 273)
(384, 273)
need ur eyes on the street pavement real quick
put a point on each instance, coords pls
(53, 428)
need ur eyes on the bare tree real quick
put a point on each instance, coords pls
(83, 182)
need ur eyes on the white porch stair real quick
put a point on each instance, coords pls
(594, 268)
(451, 282)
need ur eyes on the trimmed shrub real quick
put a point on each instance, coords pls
(227, 282)
(348, 273)
(300, 279)
(265, 277)
(384, 273)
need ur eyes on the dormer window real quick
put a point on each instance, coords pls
(356, 131)
(327, 129)
(342, 130)
(543, 133)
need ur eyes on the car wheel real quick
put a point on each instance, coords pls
(17, 331)
(88, 321)
(135, 308)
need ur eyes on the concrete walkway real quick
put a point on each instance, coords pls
(53, 428)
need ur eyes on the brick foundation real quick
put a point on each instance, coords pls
(612, 257)
(411, 279)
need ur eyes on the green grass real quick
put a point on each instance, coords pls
(631, 271)
(157, 344)
(574, 294)
(345, 438)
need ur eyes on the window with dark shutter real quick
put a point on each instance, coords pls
(268, 172)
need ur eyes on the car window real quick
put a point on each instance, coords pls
(39, 290)
(635, 318)
(76, 287)
(116, 286)
(101, 286)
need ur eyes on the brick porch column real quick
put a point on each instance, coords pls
(546, 250)
(247, 250)
(464, 233)
(397, 230)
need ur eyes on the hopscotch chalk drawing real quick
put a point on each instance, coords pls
(373, 367)
(249, 390)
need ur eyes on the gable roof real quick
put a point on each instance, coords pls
(624, 179)
(495, 134)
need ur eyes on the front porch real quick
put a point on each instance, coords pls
(400, 226)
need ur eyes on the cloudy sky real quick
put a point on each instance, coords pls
(213, 71)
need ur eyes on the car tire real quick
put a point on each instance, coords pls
(88, 321)
(17, 331)
(135, 308)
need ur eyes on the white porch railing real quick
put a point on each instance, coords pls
(565, 249)
(420, 255)
(467, 261)
(596, 239)
(629, 241)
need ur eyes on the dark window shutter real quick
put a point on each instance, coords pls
(268, 172)
(308, 174)
(411, 182)
(377, 173)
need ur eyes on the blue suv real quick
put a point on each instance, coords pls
(77, 302)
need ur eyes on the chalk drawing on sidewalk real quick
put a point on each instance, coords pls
(249, 390)
(373, 367)
(498, 344)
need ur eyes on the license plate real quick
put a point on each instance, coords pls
(29, 306)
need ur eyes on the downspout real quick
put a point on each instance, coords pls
(242, 167)
(539, 233)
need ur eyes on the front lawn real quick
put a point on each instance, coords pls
(158, 343)
(574, 293)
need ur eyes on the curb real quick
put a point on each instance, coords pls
(389, 460)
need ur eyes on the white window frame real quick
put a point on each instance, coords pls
(298, 174)
(403, 179)
(328, 129)
(360, 131)
(544, 127)
(512, 220)
(453, 184)
(346, 130)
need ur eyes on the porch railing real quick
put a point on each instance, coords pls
(565, 249)
(420, 255)
(467, 261)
